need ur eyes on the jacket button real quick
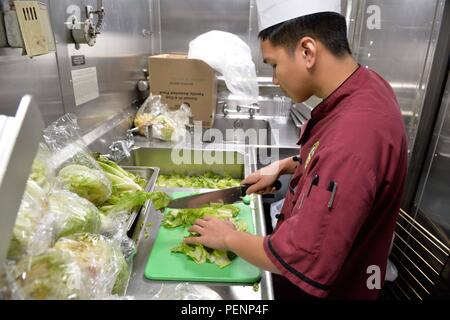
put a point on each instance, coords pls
(279, 216)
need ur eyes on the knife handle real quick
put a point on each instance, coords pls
(277, 185)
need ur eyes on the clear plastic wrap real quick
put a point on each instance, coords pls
(77, 169)
(102, 259)
(53, 275)
(232, 57)
(72, 214)
(185, 291)
(150, 109)
(42, 171)
(164, 124)
(9, 289)
(90, 184)
(113, 224)
(33, 230)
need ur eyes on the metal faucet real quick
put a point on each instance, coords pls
(252, 109)
(121, 149)
(225, 109)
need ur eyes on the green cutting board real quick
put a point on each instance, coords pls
(165, 265)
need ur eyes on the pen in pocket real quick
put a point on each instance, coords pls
(314, 182)
(332, 188)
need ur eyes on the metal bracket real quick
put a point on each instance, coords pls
(86, 32)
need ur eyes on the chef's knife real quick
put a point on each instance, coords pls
(225, 196)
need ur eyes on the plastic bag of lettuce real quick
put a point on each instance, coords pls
(77, 171)
(81, 266)
(164, 124)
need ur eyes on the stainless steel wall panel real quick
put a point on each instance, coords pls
(433, 200)
(182, 21)
(38, 77)
(402, 50)
(20, 75)
(119, 55)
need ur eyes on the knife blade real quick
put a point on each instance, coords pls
(225, 196)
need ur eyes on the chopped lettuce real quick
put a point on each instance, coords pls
(186, 217)
(88, 183)
(160, 199)
(209, 180)
(197, 252)
(201, 254)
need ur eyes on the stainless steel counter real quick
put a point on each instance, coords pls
(244, 162)
(283, 130)
(157, 153)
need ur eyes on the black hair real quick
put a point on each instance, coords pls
(328, 27)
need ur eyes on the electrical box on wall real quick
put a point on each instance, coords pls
(47, 26)
(27, 25)
(31, 22)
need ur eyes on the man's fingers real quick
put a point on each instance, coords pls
(251, 179)
(196, 228)
(254, 188)
(201, 222)
(193, 240)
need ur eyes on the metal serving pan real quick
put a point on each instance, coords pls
(150, 174)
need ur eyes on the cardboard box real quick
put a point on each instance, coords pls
(179, 80)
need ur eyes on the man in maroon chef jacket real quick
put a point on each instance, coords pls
(333, 236)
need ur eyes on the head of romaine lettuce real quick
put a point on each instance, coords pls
(73, 214)
(50, 276)
(102, 258)
(88, 183)
(30, 220)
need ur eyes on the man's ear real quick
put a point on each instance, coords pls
(307, 48)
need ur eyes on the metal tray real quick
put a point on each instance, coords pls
(150, 174)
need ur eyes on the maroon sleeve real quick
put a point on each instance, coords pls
(310, 247)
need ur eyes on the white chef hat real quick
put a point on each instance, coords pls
(272, 12)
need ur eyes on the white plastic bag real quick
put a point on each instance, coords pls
(391, 271)
(232, 57)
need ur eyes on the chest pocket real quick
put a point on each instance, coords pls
(312, 217)
(292, 193)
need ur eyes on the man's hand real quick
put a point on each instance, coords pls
(222, 235)
(213, 233)
(262, 180)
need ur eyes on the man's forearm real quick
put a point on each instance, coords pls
(250, 247)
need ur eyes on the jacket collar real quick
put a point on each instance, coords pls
(328, 105)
